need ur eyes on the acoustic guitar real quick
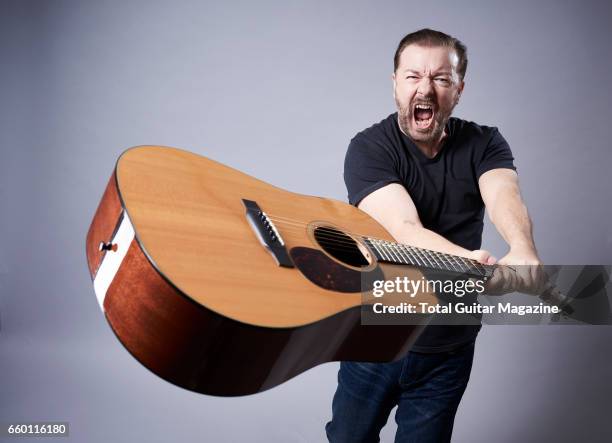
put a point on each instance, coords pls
(223, 284)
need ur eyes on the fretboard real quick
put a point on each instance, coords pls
(398, 253)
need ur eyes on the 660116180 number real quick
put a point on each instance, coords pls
(55, 429)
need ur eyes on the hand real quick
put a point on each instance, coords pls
(518, 271)
(520, 257)
(482, 256)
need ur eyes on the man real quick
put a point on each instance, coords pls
(427, 177)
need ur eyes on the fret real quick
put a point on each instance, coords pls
(471, 263)
(402, 251)
(385, 253)
(409, 255)
(398, 259)
(399, 253)
(375, 246)
(426, 257)
(420, 252)
(415, 256)
(432, 254)
(413, 259)
(425, 254)
(454, 263)
(417, 253)
(445, 261)
(459, 261)
(406, 253)
(395, 252)
(387, 250)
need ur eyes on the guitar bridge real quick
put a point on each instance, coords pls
(266, 232)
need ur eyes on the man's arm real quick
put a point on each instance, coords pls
(523, 271)
(393, 208)
(502, 197)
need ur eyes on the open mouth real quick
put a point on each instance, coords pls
(423, 115)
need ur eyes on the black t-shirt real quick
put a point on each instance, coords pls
(444, 190)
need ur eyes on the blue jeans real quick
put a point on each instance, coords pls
(427, 389)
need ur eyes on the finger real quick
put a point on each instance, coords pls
(482, 256)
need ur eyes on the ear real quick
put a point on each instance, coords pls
(394, 84)
(459, 91)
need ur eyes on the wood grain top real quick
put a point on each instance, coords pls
(189, 219)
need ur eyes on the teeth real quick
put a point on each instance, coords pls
(425, 107)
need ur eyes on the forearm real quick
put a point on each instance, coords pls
(522, 271)
(416, 235)
(511, 219)
(403, 221)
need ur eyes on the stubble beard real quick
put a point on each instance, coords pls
(431, 135)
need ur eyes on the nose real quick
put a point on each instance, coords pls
(425, 87)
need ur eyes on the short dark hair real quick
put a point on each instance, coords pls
(429, 37)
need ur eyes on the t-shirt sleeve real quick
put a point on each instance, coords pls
(496, 154)
(368, 166)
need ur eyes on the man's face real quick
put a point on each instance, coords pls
(426, 87)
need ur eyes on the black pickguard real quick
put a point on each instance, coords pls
(329, 274)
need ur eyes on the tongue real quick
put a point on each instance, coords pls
(423, 114)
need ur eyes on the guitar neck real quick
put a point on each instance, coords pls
(401, 254)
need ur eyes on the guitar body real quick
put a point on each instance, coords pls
(193, 294)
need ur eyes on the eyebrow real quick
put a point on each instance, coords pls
(435, 74)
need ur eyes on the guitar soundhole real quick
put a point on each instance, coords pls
(340, 246)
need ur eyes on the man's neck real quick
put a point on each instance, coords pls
(430, 150)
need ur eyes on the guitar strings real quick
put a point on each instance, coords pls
(340, 238)
(336, 237)
(289, 221)
(344, 236)
(340, 241)
(297, 223)
(329, 236)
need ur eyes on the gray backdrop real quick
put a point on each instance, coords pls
(277, 90)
